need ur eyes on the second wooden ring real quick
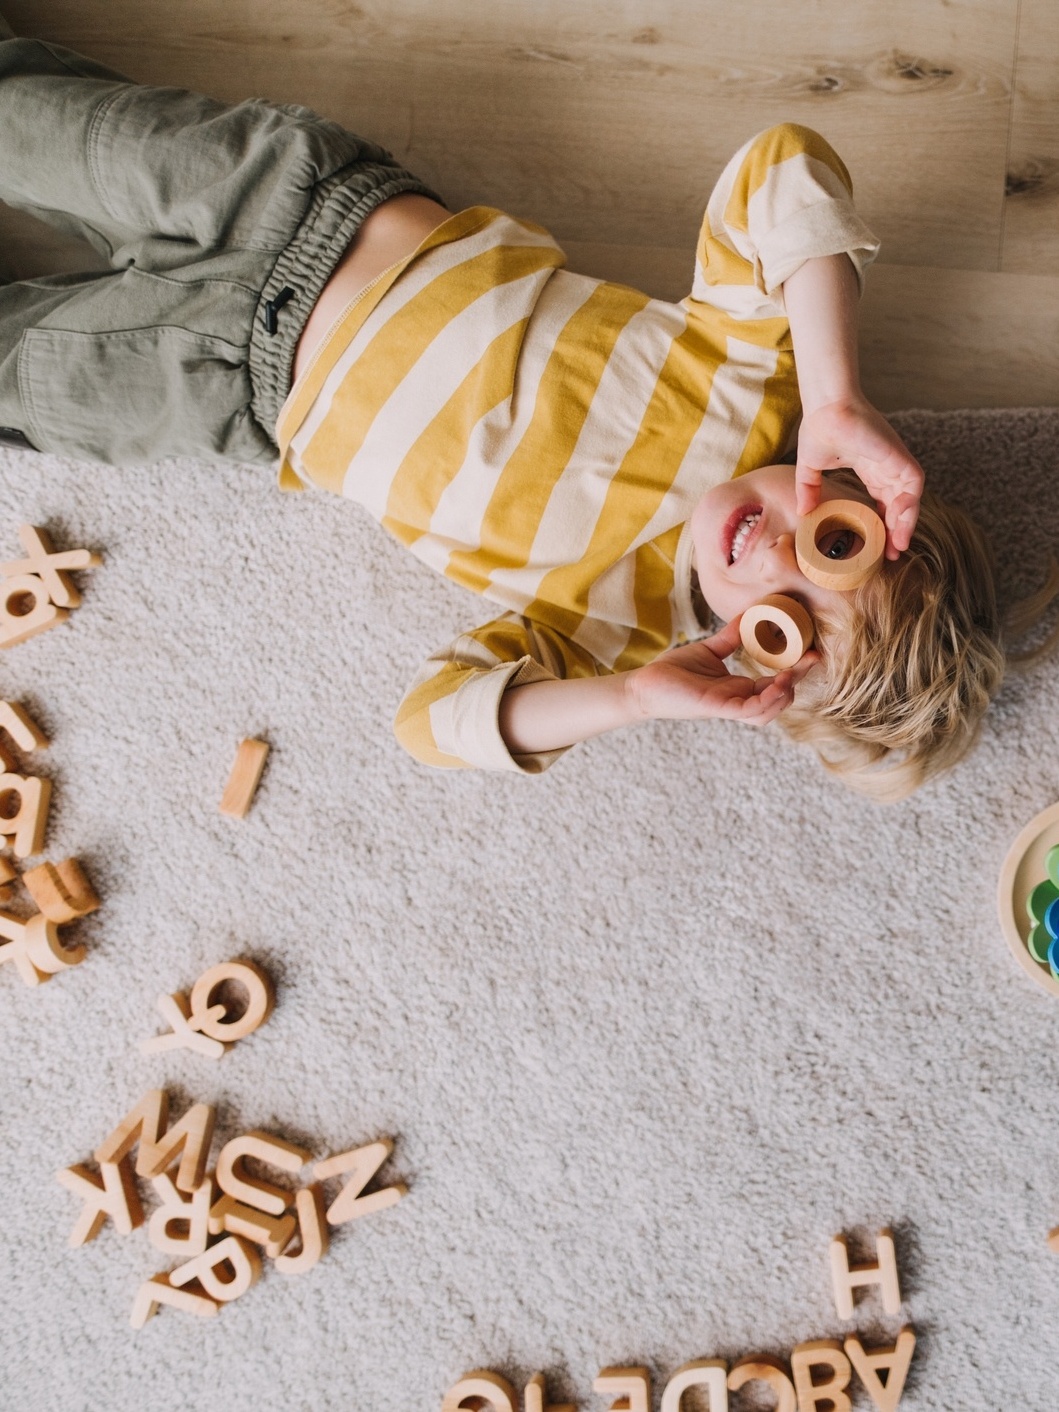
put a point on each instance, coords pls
(777, 632)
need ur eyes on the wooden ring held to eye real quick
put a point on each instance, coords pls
(841, 574)
(777, 632)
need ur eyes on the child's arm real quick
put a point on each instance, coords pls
(840, 427)
(684, 684)
(514, 694)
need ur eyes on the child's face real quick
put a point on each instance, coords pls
(738, 567)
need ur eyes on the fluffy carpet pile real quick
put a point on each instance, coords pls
(647, 1031)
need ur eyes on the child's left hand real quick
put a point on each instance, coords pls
(852, 433)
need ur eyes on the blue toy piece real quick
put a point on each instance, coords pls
(1040, 899)
(1051, 919)
(1038, 943)
(1053, 957)
(1051, 864)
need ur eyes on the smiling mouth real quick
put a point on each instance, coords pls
(739, 530)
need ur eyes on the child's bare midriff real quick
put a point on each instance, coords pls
(392, 231)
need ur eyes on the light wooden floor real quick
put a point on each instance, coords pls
(608, 123)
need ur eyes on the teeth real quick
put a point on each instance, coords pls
(742, 533)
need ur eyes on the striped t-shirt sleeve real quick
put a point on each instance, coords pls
(784, 198)
(449, 717)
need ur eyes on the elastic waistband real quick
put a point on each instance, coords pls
(335, 212)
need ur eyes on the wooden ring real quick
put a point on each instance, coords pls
(842, 574)
(777, 632)
(260, 999)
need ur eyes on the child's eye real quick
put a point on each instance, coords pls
(840, 544)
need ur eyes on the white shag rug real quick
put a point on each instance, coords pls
(648, 1031)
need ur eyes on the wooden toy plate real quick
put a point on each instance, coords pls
(1023, 869)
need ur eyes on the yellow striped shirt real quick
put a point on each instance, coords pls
(542, 437)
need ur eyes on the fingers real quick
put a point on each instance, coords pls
(804, 665)
(770, 696)
(723, 643)
(807, 488)
(901, 516)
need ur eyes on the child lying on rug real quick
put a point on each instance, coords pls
(604, 466)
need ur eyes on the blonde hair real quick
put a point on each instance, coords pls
(912, 660)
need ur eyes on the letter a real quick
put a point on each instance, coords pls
(894, 1362)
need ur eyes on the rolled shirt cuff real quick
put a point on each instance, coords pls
(827, 228)
(466, 723)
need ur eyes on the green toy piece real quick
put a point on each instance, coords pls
(1038, 942)
(1041, 898)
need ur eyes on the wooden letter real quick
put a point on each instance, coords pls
(157, 1290)
(708, 1373)
(361, 1163)
(35, 948)
(45, 949)
(26, 825)
(536, 1397)
(61, 890)
(489, 1387)
(18, 622)
(194, 1213)
(177, 1012)
(312, 1228)
(113, 1193)
(259, 1002)
(883, 1274)
(246, 772)
(631, 1386)
(821, 1352)
(263, 1196)
(16, 723)
(238, 1255)
(20, 937)
(8, 874)
(765, 1370)
(894, 1362)
(160, 1145)
(273, 1232)
(50, 566)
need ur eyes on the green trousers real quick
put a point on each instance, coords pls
(221, 224)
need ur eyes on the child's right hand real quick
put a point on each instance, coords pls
(692, 683)
(853, 433)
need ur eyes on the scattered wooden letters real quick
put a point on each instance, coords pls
(241, 1215)
(208, 1029)
(816, 1379)
(63, 893)
(37, 592)
(60, 890)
